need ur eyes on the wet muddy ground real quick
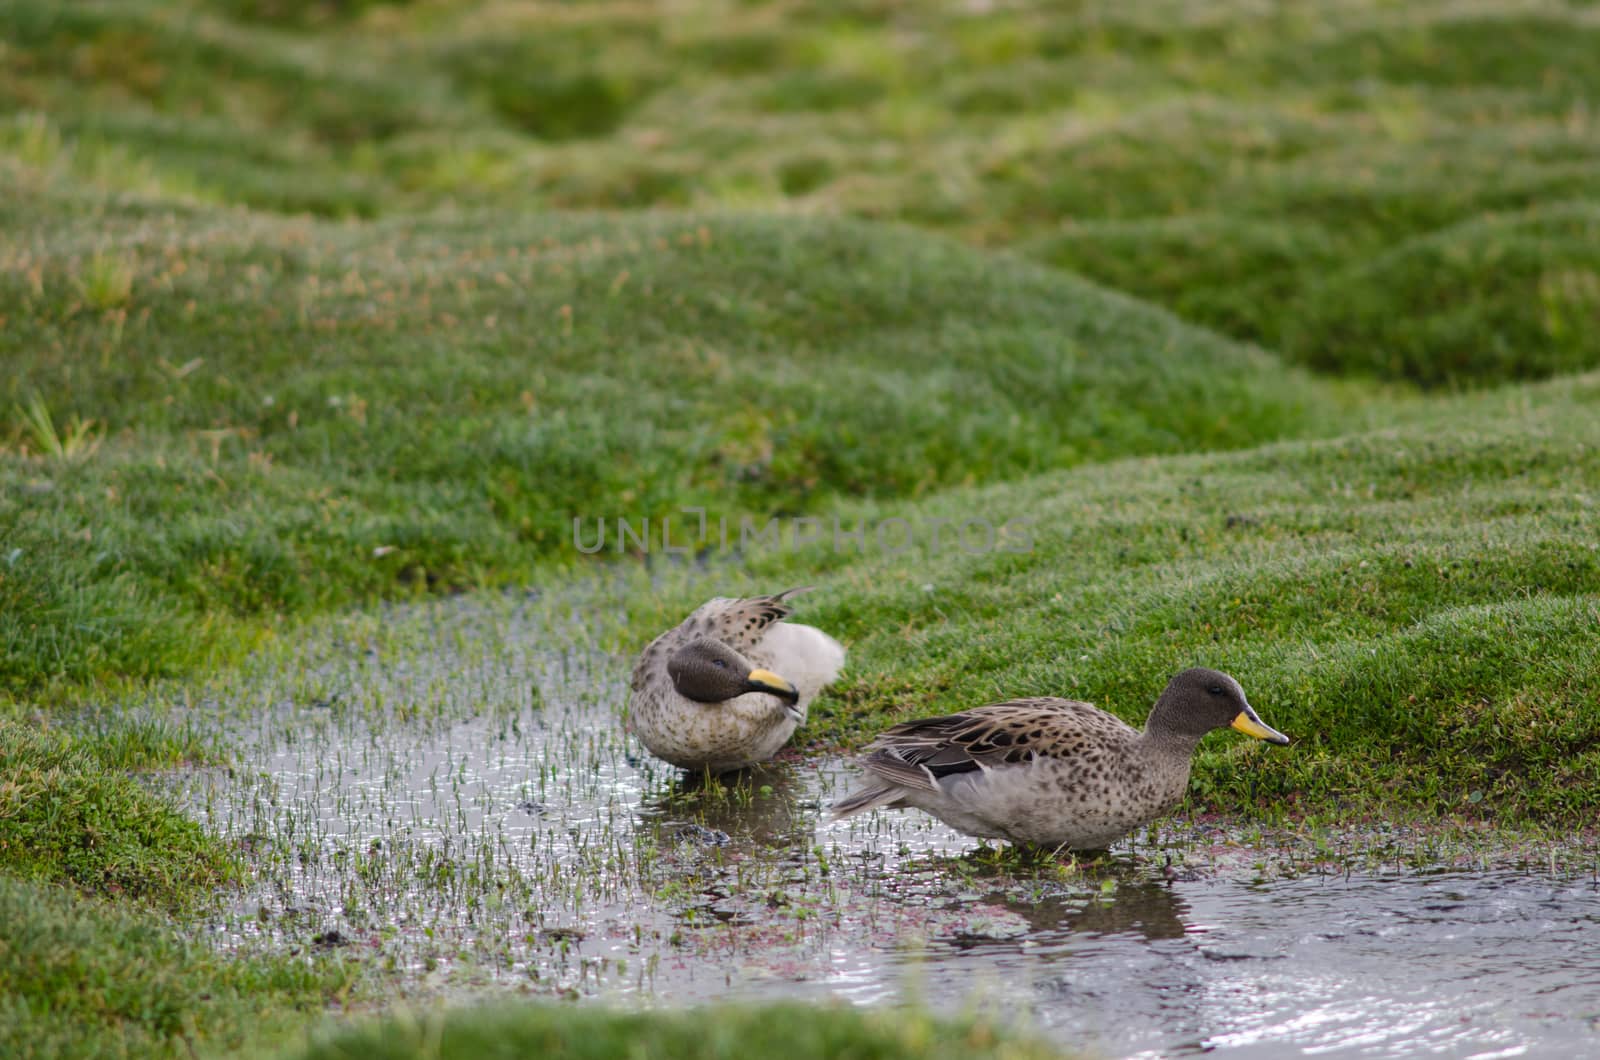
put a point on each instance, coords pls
(448, 790)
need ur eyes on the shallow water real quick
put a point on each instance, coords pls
(453, 798)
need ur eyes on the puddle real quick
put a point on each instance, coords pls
(447, 792)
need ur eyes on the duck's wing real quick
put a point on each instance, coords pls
(651, 667)
(739, 622)
(918, 754)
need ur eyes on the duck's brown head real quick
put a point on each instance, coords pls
(1197, 701)
(709, 671)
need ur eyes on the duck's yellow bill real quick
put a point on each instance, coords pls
(1247, 723)
(767, 681)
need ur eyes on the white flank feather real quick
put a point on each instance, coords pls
(808, 657)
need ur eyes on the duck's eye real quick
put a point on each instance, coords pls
(721, 664)
(1215, 690)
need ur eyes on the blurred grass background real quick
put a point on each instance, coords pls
(353, 300)
(1401, 191)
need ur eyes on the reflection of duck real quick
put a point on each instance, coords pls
(1116, 896)
(1145, 908)
(758, 808)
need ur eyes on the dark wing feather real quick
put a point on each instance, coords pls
(739, 623)
(919, 753)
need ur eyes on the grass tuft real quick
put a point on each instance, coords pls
(71, 813)
(77, 442)
(83, 978)
(106, 282)
(727, 1032)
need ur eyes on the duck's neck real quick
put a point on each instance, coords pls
(1168, 743)
(1166, 735)
(1167, 757)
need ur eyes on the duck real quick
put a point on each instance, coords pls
(1050, 772)
(726, 688)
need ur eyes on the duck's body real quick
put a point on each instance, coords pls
(1052, 772)
(728, 686)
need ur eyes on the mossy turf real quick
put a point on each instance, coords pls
(70, 811)
(300, 310)
(84, 978)
(281, 416)
(799, 1031)
(1252, 166)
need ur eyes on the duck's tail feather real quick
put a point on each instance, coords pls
(871, 797)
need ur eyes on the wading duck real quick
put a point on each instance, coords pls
(1052, 772)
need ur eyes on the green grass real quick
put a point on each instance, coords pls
(308, 304)
(786, 1030)
(86, 978)
(70, 812)
(1255, 168)
(289, 416)
(1503, 297)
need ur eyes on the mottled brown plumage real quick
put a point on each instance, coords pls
(727, 686)
(1055, 772)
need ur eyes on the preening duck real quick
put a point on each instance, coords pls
(726, 687)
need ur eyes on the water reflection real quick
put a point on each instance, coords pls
(1145, 909)
(768, 808)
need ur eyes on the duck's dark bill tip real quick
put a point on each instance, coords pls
(767, 681)
(1251, 725)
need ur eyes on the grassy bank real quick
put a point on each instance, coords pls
(1286, 175)
(85, 978)
(70, 811)
(792, 1030)
(284, 416)
(1265, 330)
